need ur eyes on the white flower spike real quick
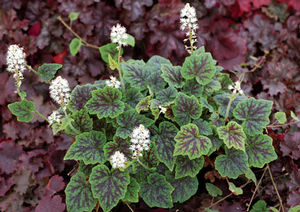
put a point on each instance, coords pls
(55, 117)
(15, 60)
(118, 160)
(113, 82)
(188, 22)
(118, 35)
(140, 141)
(236, 88)
(60, 91)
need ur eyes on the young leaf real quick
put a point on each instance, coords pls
(167, 96)
(172, 75)
(106, 102)
(259, 206)
(293, 115)
(23, 110)
(165, 143)
(260, 150)
(108, 186)
(143, 105)
(190, 143)
(184, 188)
(128, 121)
(82, 121)
(251, 176)
(186, 167)
(75, 46)
(213, 190)
(118, 144)
(112, 63)
(135, 73)
(132, 194)
(254, 114)
(88, 147)
(73, 16)
(280, 117)
(233, 164)
(223, 100)
(232, 135)
(130, 40)
(80, 95)
(79, 195)
(109, 49)
(156, 191)
(235, 190)
(47, 71)
(186, 108)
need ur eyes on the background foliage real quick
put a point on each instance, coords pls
(33, 173)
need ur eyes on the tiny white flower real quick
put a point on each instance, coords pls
(118, 35)
(60, 91)
(118, 160)
(15, 60)
(236, 88)
(162, 109)
(140, 140)
(113, 82)
(55, 117)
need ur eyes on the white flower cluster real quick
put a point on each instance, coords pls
(60, 91)
(15, 60)
(140, 140)
(55, 117)
(188, 20)
(118, 160)
(113, 82)
(118, 35)
(236, 88)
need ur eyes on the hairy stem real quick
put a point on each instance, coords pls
(119, 67)
(275, 187)
(31, 69)
(143, 165)
(40, 115)
(232, 97)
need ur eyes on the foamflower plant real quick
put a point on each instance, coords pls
(146, 131)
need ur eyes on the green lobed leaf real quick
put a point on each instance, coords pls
(259, 206)
(216, 121)
(130, 120)
(109, 49)
(23, 110)
(156, 191)
(135, 73)
(260, 150)
(85, 169)
(79, 195)
(185, 167)
(203, 126)
(280, 117)
(81, 121)
(132, 96)
(88, 147)
(143, 104)
(213, 190)
(132, 194)
(172, 75)
(190, 143)
(73, 16)
(251, 176)
(200, 66)
(233, 135)
(205, 104)
(155, 63)
(186, 108)
(165, 143)
(216, 144)
(192, 87)
(47, 71)
(235, 190)
(184, 188)
(254, 114)
(233, 164)
(75, 46)
(212, 86)
(167, 96)
(223, 99)
(106, 102)
(108, 186)
(79, 96)
(118, 144)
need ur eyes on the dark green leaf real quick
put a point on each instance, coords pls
(192, 87)
(200, 67)
(186, 167)
(233, 164)
(203, 127)
(23, 110)
(81, 121)
(156, 192)
(259, 206)
(80, 95)
(108, 186)
(184, 188)
(165, 143)
(254, 114)
(75, 46)
(79, 196)
(155, 82)
(233, 135)
(132, 96)
(143, 105)
(213, 190)
(186, 108)
(223, 99)
(118, 144)
(260, 150)
(172, 75)
(155, 63)
(88, 147)
(132, 194)
(109, 49)
(47, 71)
(212, 86)
(205, 104)
(190, 143)
(106, 102)
(166, 96)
